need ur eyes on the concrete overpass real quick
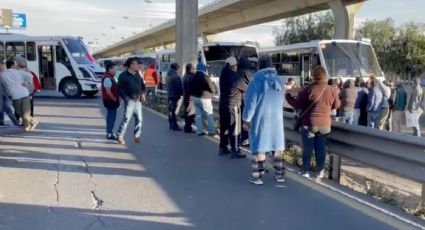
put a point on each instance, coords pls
(228, 15)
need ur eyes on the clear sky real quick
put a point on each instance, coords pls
(106, 21)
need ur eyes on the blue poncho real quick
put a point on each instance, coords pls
(264, 110)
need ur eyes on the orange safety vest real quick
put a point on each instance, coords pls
(149, 80)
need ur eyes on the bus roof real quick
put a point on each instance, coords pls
(23, 37)
(125, 57)
(304, 45)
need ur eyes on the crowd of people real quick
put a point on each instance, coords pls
(250, 105)
(380, 104)
(18, 84)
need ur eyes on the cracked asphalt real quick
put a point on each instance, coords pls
(66, 176)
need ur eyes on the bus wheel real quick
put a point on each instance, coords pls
(71, 88)
(90, 93)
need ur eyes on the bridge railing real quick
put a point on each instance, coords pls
(396, 153)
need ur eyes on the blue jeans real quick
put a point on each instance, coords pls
(111, 115)
(348, 117)
(204, 106)
(372, 119)
(131, 108)
(314, 138)
(8, 109)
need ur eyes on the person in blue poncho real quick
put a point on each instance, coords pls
(263, 116)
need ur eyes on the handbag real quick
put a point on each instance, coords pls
(297, 118)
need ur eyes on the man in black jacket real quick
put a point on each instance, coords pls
(231, 88)
(174, 91)
(202, 89)
(131, 90)
(189, 109)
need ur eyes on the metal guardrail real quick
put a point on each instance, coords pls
(396, 153)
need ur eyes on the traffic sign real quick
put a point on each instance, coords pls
(19, 21)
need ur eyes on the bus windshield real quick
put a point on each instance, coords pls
(221, 52)
(350, 60)
(216, 55)
(78, 51)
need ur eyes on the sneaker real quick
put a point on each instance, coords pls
(237, 155)
(33, 124)
(322, 174)
(256, 181)
(189, 131)
(111, 136)
(304, 174)
(280, 179)
(121, 141)
(223, 151)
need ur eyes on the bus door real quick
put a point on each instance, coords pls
(306, 67)
(46, 66)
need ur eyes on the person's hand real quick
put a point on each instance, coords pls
(143, 97)
(246, 126)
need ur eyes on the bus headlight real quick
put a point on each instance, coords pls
(85, 73)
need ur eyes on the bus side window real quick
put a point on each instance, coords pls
(2, 54)
(14, 49)
(60, 55)
(31, 53)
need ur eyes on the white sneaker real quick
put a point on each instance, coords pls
(280, 179)
(304, 174)
(322, 174)
(256, 181)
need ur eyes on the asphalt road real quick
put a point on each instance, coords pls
(65, 176)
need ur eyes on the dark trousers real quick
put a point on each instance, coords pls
(32, 106)
(229, 127)
(111, 115)
(172, 112)
(314, 138)
(189, 115)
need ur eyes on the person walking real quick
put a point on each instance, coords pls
(5, 103)
(360, 113)
(174, 92)
(245, 72)
(231, 88)
(110, 98)
(348, 101)
(151, 81)
(16, 83)
(374, 103)
(131, 89)
(35, 86)
(315, 103)
(385, 104)
(263, 116)
(202, 90)
(399, 106)
(416, 106)
(189, 109)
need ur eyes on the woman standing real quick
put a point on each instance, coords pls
(315, 102)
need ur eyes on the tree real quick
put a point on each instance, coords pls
(305, 28)
(400, 50)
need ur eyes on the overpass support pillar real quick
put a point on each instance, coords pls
(186, 32)
(344, 18)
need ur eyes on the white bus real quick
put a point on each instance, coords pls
(213, 55)
(346, 59)
(62, 63)
(119, 61)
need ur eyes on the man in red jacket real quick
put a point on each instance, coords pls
(35, 87)
(110, 98)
